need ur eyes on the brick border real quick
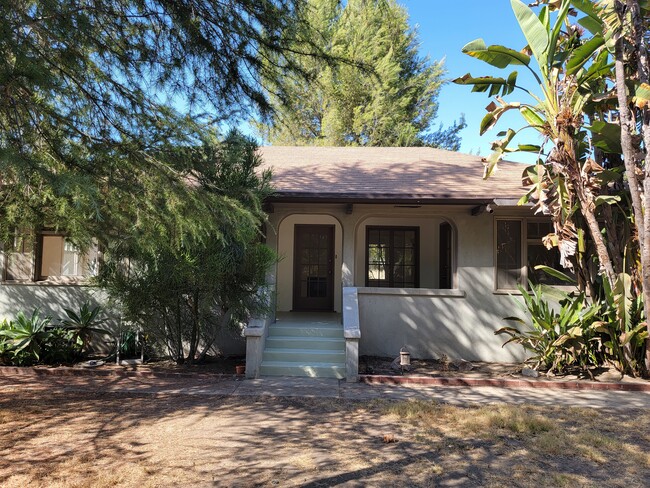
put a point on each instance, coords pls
(369, 379)
(502, 383)
(68, 371)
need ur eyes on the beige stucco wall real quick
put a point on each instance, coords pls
(460, 323)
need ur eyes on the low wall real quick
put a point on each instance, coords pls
(430, 323)
(52, 299)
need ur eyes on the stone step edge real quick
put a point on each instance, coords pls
(289, 350)
(501, 383)
(302, 364)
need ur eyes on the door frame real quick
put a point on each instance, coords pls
(331, 228)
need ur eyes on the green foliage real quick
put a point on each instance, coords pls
(182, 290)
(381, 93)
(559, 337)
(623, 325)
(28, 340)
(97, 99)
(26, 337)
(84, 325)
(594, 142)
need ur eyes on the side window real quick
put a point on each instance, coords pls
(537, 254)
(508, 254)
(61, 258)
(19, 258)
(516, 263)
(445, 278)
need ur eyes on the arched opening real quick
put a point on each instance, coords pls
(309, 269)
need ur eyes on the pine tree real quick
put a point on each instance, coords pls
(379, 93)
(95, 96)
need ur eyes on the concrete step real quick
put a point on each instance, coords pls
(304, 355)
(314, 343)
(312, 370)
(316, 331)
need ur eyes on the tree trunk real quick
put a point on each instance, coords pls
(225, 319)
(631, 150)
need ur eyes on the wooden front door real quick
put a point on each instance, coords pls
(313, 263)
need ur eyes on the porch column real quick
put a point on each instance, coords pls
(347, 262)
(272, 228)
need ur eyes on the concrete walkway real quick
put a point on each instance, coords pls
(328, 388)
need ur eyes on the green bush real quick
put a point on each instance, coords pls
(559, 337)
(28, 340)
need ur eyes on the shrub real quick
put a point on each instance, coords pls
(559, 337)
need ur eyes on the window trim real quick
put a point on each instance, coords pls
(524, 251)
(393, 228)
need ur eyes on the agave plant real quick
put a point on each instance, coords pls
(27, 335)
(85, 324)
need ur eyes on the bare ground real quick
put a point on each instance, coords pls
(49, 437)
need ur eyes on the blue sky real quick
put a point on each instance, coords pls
(444, 27)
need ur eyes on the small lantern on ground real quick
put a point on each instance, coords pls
(405, 359)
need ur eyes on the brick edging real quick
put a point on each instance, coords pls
(502, 383)
(68, 371)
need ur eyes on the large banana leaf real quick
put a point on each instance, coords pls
(534, 31)
(499, 56)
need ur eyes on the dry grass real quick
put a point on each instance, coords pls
(51, 438)
(542, 446)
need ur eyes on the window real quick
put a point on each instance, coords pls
(19, 258)
(515, 262)
(445, 271)
(392, 255)
(60, 258)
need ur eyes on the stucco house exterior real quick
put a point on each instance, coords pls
(410, 245)
(379, 249)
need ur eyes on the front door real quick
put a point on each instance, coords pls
(313, 276)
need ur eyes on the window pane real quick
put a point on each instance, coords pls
(508, 254)
(392, 254)
(60, 257)
(539, 255)
(538, 230)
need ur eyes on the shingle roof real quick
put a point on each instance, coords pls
(386, 173)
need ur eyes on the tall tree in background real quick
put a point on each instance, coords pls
(381, 94)
(94, 96)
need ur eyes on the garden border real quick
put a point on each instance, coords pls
(502, 383)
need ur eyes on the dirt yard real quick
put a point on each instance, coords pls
(93, 439)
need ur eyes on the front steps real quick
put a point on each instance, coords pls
(313, 349)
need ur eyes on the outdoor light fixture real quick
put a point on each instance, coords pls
(404, 359)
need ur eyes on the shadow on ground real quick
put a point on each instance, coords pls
(49, 436)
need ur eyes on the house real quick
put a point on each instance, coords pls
(410, 245)
(380, 248)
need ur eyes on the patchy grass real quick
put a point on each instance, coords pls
(543, 446)
(90, 439)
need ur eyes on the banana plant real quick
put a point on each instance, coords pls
(569, 68)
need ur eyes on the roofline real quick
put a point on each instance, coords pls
(376, 198)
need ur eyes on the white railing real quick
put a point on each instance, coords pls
(351, 332)
(256, 332)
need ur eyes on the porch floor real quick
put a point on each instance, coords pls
(309, 319)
